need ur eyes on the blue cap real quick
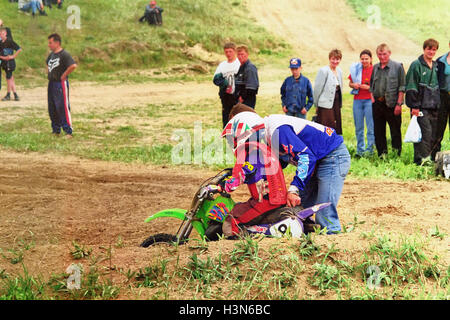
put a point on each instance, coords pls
(295, 63)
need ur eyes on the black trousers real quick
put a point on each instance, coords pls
(382, 114)
(228, 101)
(443, 119)
(428, 125)
(152, 18)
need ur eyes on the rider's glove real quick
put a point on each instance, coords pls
(230, 184)
(248, 171)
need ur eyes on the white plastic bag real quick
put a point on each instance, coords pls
(413, 133)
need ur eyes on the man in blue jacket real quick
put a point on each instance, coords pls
(295, 90)
(322, 161)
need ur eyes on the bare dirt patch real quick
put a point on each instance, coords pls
(54, 200)
(315, 27)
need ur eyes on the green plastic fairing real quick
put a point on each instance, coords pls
(168, 213)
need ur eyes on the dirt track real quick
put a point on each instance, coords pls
(53, 200)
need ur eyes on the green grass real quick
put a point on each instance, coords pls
(111, 39)
(418, 20)
(128, 135)
(387, 267)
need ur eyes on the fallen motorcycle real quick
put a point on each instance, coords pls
(210, 206)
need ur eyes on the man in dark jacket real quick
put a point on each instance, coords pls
(152, 14)
(247, 82)
(422, 96)
(444, 109)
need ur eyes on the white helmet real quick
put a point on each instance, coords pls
(241, 127)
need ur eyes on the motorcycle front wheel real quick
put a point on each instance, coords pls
(161, 238)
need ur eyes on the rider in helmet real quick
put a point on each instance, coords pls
(255, 166)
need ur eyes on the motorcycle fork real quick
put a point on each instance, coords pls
(186, 227)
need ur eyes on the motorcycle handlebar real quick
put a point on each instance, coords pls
(217, 179)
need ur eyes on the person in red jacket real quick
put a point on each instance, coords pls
(255, 166)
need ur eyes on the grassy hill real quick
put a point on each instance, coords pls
(112, 45)
(111, 39)
(418, 20)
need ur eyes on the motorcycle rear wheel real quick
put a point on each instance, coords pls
(161, 238)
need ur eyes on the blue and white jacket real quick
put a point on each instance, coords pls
(301, 143)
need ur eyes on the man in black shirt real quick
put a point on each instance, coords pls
(8, 53)
(60, 64)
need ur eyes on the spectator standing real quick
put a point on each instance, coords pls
(8, 30)
(328, 94)
(60, 64)
(224, 77)
(247, 82)
(8, 53)
(152, 14)
(360, 74)
(295, 90)
(444, 109)
(422, 96)
(9, 35)
(387, 87)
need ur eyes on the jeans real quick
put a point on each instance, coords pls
(326, 186)
(297, 114)
(363, 109)
(33, 5)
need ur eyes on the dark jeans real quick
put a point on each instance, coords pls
(228, 101)
(428, 126)
(152, 18)
(250, 101)
(382, 114)
(443, 119)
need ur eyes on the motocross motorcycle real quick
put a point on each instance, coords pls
(211, 205)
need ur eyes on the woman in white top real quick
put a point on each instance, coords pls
(328, 93)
